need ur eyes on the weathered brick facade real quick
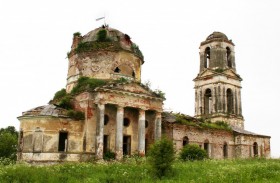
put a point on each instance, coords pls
(123, 116)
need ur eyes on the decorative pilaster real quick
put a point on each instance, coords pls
(158, 126)
(99, 131)
(141, 133)
(119, 133)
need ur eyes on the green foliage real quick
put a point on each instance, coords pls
(219, 70)
(8, 143)
(183, 119)
(65, 102)
(77, 34)
(201, 123)
(102, 35)
(59, 94)
(216, 125)
(160, 93)
(252, 170)
(86, 83)
(161, 157)
(109, 155)
(136, 50)
(122, 80)
(77, 115)
(192, 152)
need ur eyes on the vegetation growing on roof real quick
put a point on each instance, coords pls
(136, 50)
(86, 83)
(160, 93)
(219, 70)
(102, 36)
(77, 34)
(201, 123)
(59, 94)
(77, 115)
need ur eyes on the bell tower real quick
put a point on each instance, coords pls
(217, 85)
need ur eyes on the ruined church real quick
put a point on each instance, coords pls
(105, 107)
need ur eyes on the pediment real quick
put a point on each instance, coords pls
(208, 72)
(130, 87)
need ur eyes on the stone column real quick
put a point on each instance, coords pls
(99, 131)
(119, 133)
(158, 126)
(141, 132)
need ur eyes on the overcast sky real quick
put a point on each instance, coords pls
(36, 36)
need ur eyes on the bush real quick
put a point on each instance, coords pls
(77, 115)
(102, 35)
(109, 155)
(192, 152)
(86, 83)
(59, 94)
(161, 157)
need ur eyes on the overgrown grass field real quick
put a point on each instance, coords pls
(138, 170)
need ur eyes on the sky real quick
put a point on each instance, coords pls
(36, 36)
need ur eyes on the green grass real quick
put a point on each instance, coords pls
(137, 170)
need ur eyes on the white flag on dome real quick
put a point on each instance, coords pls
(100, 18)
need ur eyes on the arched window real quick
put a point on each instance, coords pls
(125, 69)
(229, 64)
(225, 150)
(185, 141)
(229, 101)
(207, 57)
(255, 149)
(207, 101)
(117, 70)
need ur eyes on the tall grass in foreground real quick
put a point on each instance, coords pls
(137, 170)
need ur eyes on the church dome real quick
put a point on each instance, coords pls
(107, 38)
(217, 35)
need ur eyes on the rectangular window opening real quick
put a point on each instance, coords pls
(63, 141)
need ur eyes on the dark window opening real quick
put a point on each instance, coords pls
(207, 57)
(126, 122)
(229, 64)
(146, 145)
(106, 119)
(229, 101)
(206, 146)
(207, 102)
(146, 124)
(62, 144)
(126, 145)
(117, 70)
(105, 143)
(185, 141)
(133, 74)
(255, 149)
(225, 150)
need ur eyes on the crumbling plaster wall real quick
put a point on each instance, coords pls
(216, 139)
(101, 65)
(244, 146)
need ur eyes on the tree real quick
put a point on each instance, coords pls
(8, 142)
(161, 157)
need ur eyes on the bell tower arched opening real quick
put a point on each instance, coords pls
(229, 101)
(207, 57)
(228, 55)
(207, 101)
